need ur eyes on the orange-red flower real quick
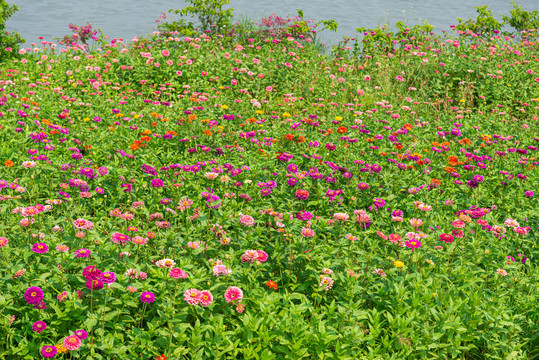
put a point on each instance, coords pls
(272, 284)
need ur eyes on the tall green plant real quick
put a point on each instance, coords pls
(212, 18)
(485, 22)
(9, 42)
(521, 19)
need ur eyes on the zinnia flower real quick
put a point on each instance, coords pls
(233, 293)
(205, 298)
(82, 253)
(82, 334)
(178, 274)
(91, 273)
(49, 351)
(94, 284)
(448, 238)
(108, 277)
(40, 248)
(72, 342)
(192, 296)
(39, 326)
(33, 295)
(147, 297)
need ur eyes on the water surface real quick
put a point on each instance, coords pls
(129, 18)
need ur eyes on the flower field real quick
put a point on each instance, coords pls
(250, 197)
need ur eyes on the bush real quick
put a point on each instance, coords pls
(522, 19)
(9, 42)
(212, 18)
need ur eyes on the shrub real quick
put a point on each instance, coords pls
(9, 42)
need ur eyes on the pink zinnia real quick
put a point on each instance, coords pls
(233, 293)
(262, 256)
(205, 298)
(91, 273)
(381, 234)
(459, 224)
(119, 239)
(72, 342)
(395, 238)
(413, 244)
(40, 248)
(178, 274)
(192, 296)
(247, 220)
(221, 270)
(416, 222)
(448, 238)
(3, 241)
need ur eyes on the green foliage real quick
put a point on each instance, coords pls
(9, 42)
(377, 39)
(415, 34)
(485, 23)
(211, 16)
(521, 19)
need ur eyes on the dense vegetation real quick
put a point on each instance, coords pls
(238, 194)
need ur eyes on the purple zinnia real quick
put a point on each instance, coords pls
(39, 326)
(157, 183)
(147, 297)
(82, 253)
(49, 351)
(528, 193)
(81, 334)
(40, 248)
(91, 273)
(33, 295)
(108, 277)
(94, 284)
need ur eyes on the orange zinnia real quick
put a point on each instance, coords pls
(289, 137)
(8, 163)
(453, 160)
(272, 285)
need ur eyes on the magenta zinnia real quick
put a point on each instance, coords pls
(39, 326)
(147, 297)
(48, 351)
(33, 295)
(40, 248)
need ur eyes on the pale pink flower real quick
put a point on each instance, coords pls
(247, 220)
(192, 296)
(394, 238)
(165, 263)
(459, 224)
(221, 270)
(502, 272)
(341, 216)
(380, 272)
(326, 282)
